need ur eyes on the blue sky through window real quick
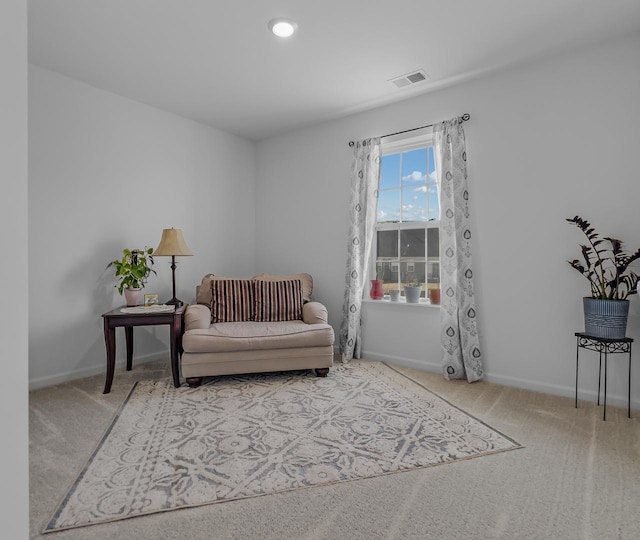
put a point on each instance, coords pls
(407, 180)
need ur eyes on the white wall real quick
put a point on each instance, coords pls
(546, 141)
(13, 220)
(107, 173)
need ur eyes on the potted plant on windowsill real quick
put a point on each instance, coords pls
(606, 266)
(412, 289)
(132, 272)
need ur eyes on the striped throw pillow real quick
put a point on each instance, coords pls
(278, 300)
(232, 300)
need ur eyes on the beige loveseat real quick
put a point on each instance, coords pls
(262, 324)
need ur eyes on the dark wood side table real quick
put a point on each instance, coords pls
(116, 317)
(604, 346)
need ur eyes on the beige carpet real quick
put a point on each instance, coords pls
(237, 437)
(575, 478)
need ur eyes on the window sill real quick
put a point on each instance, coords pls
(424, 303)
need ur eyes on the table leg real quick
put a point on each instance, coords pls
(600, 375)
(577, 353)
(629, 390)
(174, 338)
(128, 334)
(604, 413)
(110, 341)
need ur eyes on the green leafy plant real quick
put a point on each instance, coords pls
(605, 264)
(412, 280)
(133, 270)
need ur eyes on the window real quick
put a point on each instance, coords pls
(408, 218)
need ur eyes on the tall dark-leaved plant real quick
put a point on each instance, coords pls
(605, 264)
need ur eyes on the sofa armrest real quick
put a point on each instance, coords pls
(197, 317)
(314, 313)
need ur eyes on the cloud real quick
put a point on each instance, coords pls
(388, 215)
(415, 176)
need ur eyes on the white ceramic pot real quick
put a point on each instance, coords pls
(412, 294)
(132, 296)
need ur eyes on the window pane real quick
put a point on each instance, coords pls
(432, 186)
(433, 273)
(387, 244)
(433, 243)
(432, 165)
(389, 206)
(390, 171)
(412, 243)
(414, 204)
(388, 273)
(433, 258)
(387, 259)
(411, 271)
(414, 167)
(434, 203)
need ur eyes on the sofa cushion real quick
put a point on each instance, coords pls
(252, 335)
(232, 300)
(278, 300)
(203, 291)
(306, 279)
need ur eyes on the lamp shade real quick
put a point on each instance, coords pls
(172, 243)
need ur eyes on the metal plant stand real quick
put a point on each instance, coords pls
(604, 346)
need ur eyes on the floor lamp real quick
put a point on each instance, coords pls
(172, 245)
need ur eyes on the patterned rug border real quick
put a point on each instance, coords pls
(518, 446)
(84, 469)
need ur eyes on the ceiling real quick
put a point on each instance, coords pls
(215, 61)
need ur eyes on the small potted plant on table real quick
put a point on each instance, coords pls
(132, 272)
(606, 266)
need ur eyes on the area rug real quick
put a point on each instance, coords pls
(244, 436)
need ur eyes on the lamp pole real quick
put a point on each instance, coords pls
(174, 301)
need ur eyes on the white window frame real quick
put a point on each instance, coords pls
(396, 145)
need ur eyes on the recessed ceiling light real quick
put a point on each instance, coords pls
(282, 27)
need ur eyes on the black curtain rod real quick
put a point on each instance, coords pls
(462, 118)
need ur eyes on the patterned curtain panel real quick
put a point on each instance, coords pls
(461, 356)
(365, 176)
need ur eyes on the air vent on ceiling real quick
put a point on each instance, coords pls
(410, 78)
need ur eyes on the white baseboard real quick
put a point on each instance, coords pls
(59, 378)
(564, 391)
(514, 382)
(402, 361)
